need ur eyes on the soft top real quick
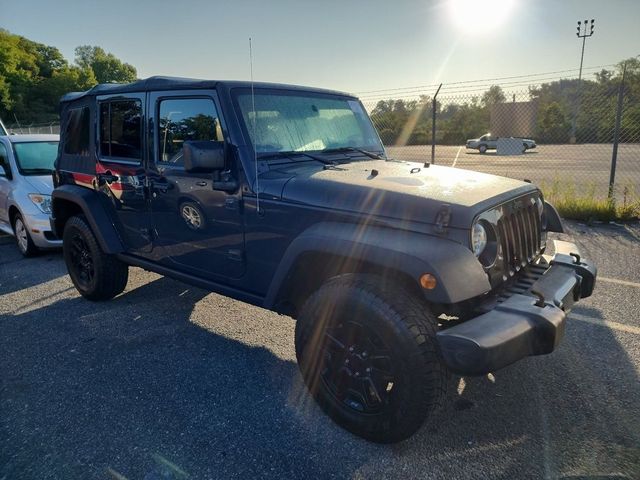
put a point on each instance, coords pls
(178, 83)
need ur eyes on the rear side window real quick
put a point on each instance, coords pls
(121, 129)
(76, 134)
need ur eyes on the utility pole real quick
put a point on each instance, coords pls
(581, 33)
(433, 128)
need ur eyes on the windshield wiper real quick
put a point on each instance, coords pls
(376, 156)
(293, 153)
(36, 170)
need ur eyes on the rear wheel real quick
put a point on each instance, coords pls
(23, 239)
(369, 358)
(95, 274)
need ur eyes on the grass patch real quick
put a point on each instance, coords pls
(582, 202)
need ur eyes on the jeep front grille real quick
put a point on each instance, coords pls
(519, 232)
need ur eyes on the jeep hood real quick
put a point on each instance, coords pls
(400, 190)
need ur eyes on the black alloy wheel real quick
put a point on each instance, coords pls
(359, 367)
(81, 261)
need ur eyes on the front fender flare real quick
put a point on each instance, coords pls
(553, 221)
(458, 273)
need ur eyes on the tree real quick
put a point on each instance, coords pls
(492, 96)
(553, 124)
(105, 66)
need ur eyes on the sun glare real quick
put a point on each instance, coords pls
(475, 17)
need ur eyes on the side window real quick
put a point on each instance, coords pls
(121, 129)
(183, 119)
(5, 169)
(76, 133)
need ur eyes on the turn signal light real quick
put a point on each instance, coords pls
(428, 281)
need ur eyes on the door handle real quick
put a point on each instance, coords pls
(107, 178)
(201, 183)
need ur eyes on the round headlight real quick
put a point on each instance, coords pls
(478, 239)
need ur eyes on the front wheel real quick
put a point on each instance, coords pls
(368, 356)
(95, 274)
(23, 239)
(482, 148)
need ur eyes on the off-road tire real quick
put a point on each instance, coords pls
(109, 275)
(23, 239)
(409, 329)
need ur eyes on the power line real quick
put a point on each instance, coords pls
(461, 89)
(484, 80)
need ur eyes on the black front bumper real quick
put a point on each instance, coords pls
(525, 324)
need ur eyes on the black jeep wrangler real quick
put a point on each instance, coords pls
(399, 274)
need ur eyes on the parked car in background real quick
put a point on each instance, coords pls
(26, 163)
(489, 142)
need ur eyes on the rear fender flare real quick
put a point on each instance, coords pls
(93, 209)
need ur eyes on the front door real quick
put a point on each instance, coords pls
(5, 186)
(198, 229)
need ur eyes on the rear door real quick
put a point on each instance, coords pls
(197, 229)
(120, 172)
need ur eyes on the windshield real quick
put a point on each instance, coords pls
(302, 122)
(35, 158)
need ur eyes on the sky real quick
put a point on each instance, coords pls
(351, 45)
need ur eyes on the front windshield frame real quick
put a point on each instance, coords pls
(25, 172)
(376, 148)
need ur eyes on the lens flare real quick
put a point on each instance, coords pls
(477, 17)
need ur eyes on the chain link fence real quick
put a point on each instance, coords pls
(575, 127)
(34, 128)
(586, 135)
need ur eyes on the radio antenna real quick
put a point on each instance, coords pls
(255, 139)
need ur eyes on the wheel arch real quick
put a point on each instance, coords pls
(327, 250)
(13, 211)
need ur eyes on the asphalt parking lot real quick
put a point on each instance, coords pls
(169, 382)
(581, 166)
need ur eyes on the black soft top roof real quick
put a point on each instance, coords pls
(177, 83)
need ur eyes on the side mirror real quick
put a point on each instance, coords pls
(203, 156)
(5, 171)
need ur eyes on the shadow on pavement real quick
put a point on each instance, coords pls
(15, 274)
(133, 388)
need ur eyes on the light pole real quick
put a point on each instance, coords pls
(581, 33)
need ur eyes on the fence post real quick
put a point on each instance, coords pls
(616, 133)
(433, 128)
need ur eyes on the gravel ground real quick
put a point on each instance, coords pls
(169, 382)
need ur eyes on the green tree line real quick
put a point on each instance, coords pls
(34, 76)
(409, 122)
